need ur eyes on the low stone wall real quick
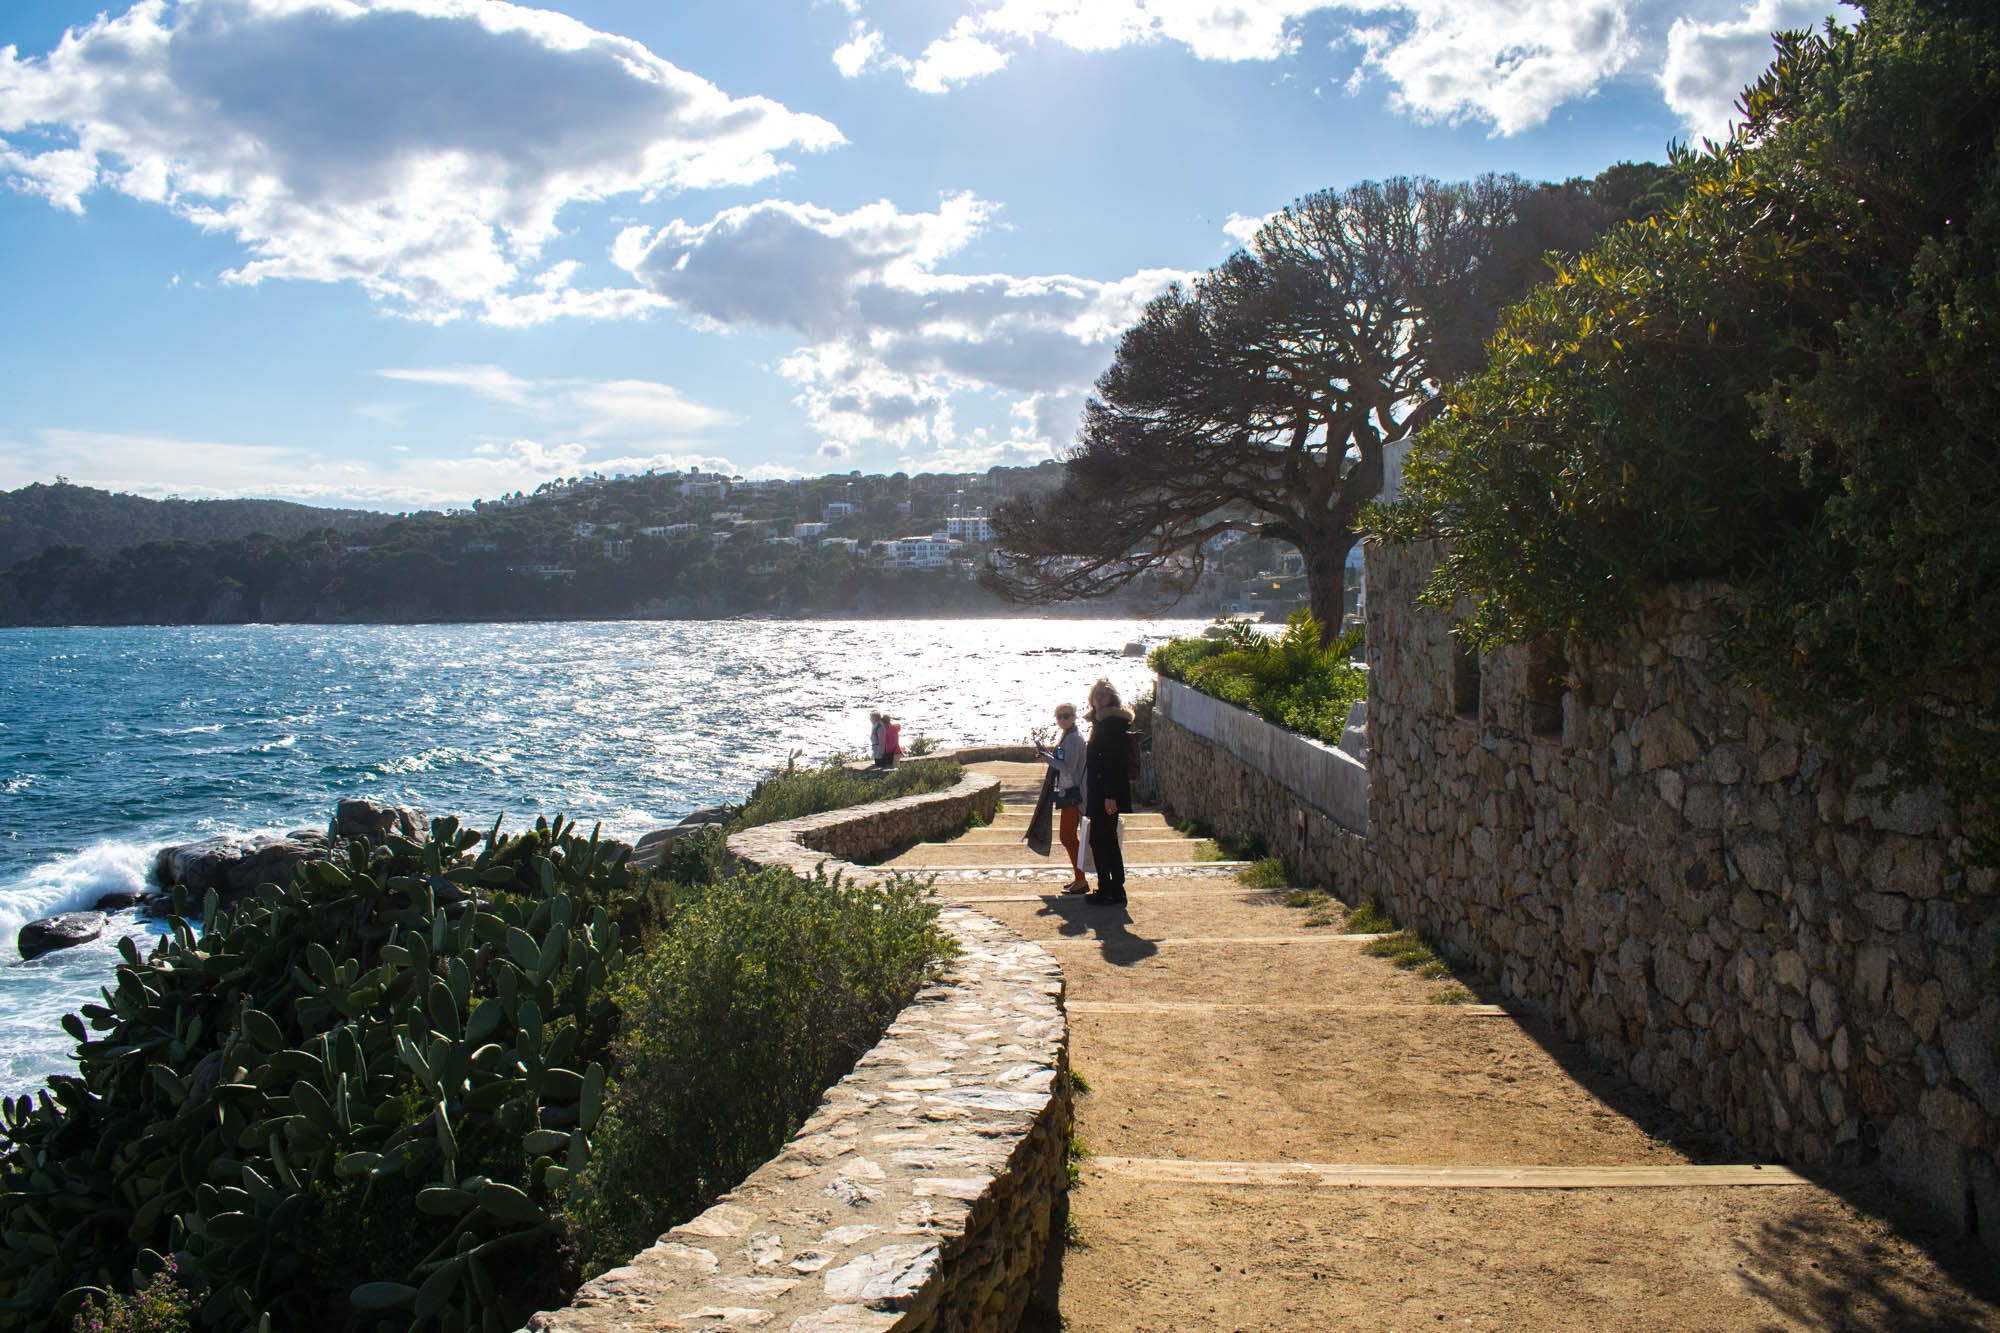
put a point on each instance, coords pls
(862, 831)
(923, 1193)
(1332, 781)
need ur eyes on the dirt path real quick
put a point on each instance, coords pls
(1253, 1078)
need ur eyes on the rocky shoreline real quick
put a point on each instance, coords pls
(234, 866)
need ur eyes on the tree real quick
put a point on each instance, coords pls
(1261, 398)
(1787, 382)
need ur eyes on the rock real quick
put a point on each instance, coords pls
(1135, 649)
(196, 865)
(359, 818)
(234, 866)
(713, 814)
(654, 846)
(59, 932)
(120, 900)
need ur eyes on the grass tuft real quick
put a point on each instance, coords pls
(1389, 946)
(1370, 919)
(1077, 1082)
(1455, 993)
(1207, 849)
(1268, 873)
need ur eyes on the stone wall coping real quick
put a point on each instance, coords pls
(1327, 777)
(920, 1194)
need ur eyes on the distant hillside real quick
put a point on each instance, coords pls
(37, 517)
(660, 545)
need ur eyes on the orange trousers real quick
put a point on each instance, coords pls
(1066, 825)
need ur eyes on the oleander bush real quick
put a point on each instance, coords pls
(370, 1099)
(795, 791)
(1288, 680)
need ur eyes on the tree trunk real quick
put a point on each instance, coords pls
(1326, 584)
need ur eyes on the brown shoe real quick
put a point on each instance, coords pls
(1076, 886)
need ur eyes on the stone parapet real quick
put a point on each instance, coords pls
(1203, 779)
(838, 837)
(924, 1191)
(1327, 778)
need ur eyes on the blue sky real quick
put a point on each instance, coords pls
(404, 253)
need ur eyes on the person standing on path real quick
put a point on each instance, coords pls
(1107, 789)
(1067, 760)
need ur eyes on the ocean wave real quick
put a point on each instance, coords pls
(71, 884)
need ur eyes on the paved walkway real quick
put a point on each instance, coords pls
(1286, 1133)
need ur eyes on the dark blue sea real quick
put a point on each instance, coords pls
(115, 742)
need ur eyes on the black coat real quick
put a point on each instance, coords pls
(1105, 775)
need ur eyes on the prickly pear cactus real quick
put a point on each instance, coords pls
(351, 1102)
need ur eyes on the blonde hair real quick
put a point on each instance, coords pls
(1104, 686)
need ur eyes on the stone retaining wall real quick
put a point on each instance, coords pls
(923, 1193)
(1673, 873)
(1201, 778)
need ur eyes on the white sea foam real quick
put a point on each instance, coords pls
(71, 884)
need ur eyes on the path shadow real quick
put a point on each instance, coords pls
(1825, 1277)
(1076, 918)
(1795, 1264)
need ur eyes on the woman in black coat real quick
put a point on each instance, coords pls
(1107, 786)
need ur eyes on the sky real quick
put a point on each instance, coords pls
(402, 254)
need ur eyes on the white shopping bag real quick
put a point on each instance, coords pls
(1085, 862)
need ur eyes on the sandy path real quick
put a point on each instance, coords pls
(1221, 1037)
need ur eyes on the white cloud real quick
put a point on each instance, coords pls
(861, 51)
(586, 409)
(1242, 226)
(1507, 65)
(892, 343)
(1209, 29)
(422, 148)
(1709, 64)
(959, 56)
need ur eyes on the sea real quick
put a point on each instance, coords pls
(116, 742)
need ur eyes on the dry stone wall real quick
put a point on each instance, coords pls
(1686, 883)
(924, 1192)
(1696, 890)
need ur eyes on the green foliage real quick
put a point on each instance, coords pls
(1289, 680)
(765, 992)
(1269, 873)
(365, 1101)
(1788, 382)
(1370, 919)
(159, 1306)
(793, 792)
(356, 1094)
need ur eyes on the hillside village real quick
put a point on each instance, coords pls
(667, 544)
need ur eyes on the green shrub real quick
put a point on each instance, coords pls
(1269, 873)
(356, 1094)
(370, 1099)
(766, 991)
(1787, 383)
(793, 792)
(1288, 680)
(1370, 919)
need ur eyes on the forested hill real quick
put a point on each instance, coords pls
(657, 545)
(37, 517)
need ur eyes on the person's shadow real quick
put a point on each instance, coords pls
(1116, 944)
